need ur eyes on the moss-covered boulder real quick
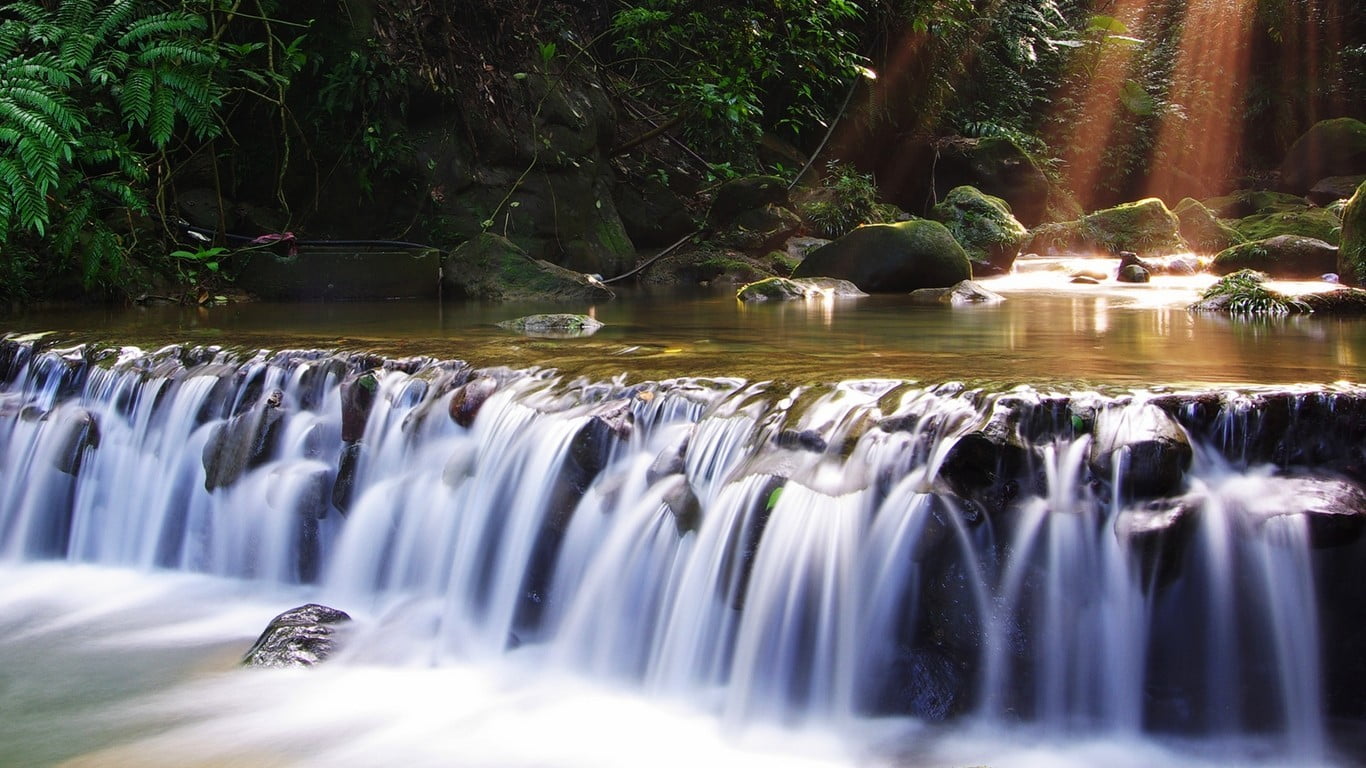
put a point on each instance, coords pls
(758, 229)
(984, 226)
(1330, 190)
(1243, 293)
(492, 268)
(1202, 230)
(1146, 226)
(1284, 256)
(1329, 148)
(738, 196)
(1251, 202)
(789, 289)
(1341, 301)
(892, 258)
(1351, 265)
(1318, 223)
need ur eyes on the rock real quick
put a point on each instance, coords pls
(801, 440)
(468, 399)
(357, 397)
(1334, 188)
(995, 165)
(553, 325)
(492, 268)
(299, 637)
(923, 683)
(1251, 202)
(1284, 256)
(742, 195)
(787, 289)
(1157, 533)
(1150, 448)
(75, 432)
(962, 294)
(798, 247)
(1145, 225)
(246, 440)
(1084, 280)
(344, 487)
(1318, 223)
(1243, 293)
(1130, 259)
(887, 258)
(984, 226)
(1204, 232)
(1334, 509)
(758, 229)
(1351, 266)
(651, 213)
(1343, 301)
(1329, 148)
(1132, 273)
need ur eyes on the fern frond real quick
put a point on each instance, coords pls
(103, 254)
(37, 101)
(160, 25)
(31, 13)
(179, 52)
(161, 117)
(135, 97)
(113, 16)
(108, 68)
(120, 191)
(28, 205)
(78, 49)
(66, 233)
(75, 14)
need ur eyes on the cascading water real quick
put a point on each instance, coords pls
(1079, 564)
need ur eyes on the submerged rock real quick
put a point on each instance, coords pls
(553, 325)
(788, 289)
(468, 399)
(357, 396)
(892, 258)
(965, 293)
(1157, 534)
(299, 637)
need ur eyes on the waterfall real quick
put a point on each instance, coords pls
(1127, 563)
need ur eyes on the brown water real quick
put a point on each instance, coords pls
(1048, 332)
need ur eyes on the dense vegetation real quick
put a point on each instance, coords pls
(110, 109)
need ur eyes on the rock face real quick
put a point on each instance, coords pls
(886, 258)
(654, 216)
(1285, 256)
(245, 441)
(1148, 445)
(1329, 148)
(984, 226)
(787, 289)
(1351, 266)
(492, 268)
(299, 637)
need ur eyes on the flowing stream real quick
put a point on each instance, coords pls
(566, 572)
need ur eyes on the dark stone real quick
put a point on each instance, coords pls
(739, 196)
(1132, 274)
(77, 432)
(243, 442)
(493, 268)
(343, 488)
(1157, 534)
(984, 226)
(299, 637)
(966, 293)
(1334, 509)
(1284, 256)
(651, 213)
(468, 399)
(357, 396)
(1329, 148)
(805, 440)
(996, 166)
(1154, 451)
(684, 505)
(1334, 188)
(759, 229)
(886, 258)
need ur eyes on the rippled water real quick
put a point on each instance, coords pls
(1047, 332)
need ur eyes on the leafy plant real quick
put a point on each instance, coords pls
(1243, 293)
(848, 199)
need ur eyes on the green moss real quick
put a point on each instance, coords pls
(1283, 256)
(1144, 226)
(1318, 223)
(1243, 293)
(1204, 232)
(1251, 202)
(1352, 253)
(983, 225)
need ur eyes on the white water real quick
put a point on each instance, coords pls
(760, 633)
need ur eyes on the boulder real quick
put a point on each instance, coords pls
(1351, 266)
(758, 229)
(1148, 447)
(1145, 226)
(1329, 148)
(246, 440)
(787, 289)
(553, 325)
(742, 195)
(1202, 230)
(1250, 202)
(651, 213)
(492, 268)
(887, 258)
(1132, 273)
(1284, 256)
(1335, 510)
(996, 165)
(984, 226)
(1342, 301)
(962, 294)
(357, 397)
(468, 399)
(299, 637)
(1318, 223)
(1330, 190)
(1157, 535)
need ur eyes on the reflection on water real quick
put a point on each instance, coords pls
(1047, 331)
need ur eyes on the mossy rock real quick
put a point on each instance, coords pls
(887, 258)
(1243, 293)
(492, 268)
(1253, 202)
(759, 229)
(984, 226)
(1351, 264)
(1329, 148)
(1318, 223)
(553, 325)
(1202, 230)
(789, 289)
(1285, 256)
(709, 264)
(1145, 226)
(1343, 301)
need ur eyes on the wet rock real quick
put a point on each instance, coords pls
(965, 293)
(683, 504)
(344, 487)
(1146, 444)
(1284, 256)
(468, 399)
(299, 637)
(1334, 509)
(243, 442)
(75, 433)
(803, 440)
(1351, 266)
(1084, 280)
(672, 460)
(892, 258)
(786, 289)
(984, 467)
(1202, 230)
(923, 683)
(1132, 274)
(493, 268)
(1334, 188)
(759, 229)
(357, 397)
(553, 325)
(1157, 534)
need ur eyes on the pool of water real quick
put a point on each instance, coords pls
(1048, 331)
